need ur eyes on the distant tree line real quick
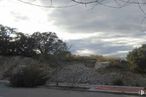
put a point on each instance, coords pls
(13, 43)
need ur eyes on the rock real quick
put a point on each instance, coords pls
(101, 65)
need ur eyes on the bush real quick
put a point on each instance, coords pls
(29, 76)
(137, 59)
(118, 82)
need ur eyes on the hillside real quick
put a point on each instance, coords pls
(108, 75)
(74, 72)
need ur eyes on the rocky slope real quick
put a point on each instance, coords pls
(78, 72)
(109, 75)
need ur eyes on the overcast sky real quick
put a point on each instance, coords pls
(91, 29)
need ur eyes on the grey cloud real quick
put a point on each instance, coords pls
(99, 47)
(114, 23)
(100, 18)
(19, 16)
(82, 19)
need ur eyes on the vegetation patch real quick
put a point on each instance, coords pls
(29, 76)
(118, 82)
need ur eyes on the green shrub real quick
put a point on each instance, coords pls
(137, 59)
(29, 76)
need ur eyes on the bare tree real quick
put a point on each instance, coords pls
(106, 3)
(117, 3)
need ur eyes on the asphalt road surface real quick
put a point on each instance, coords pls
(44, 92)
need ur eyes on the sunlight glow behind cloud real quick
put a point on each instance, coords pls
(25, 17)
(84, 52)
(101, 30)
